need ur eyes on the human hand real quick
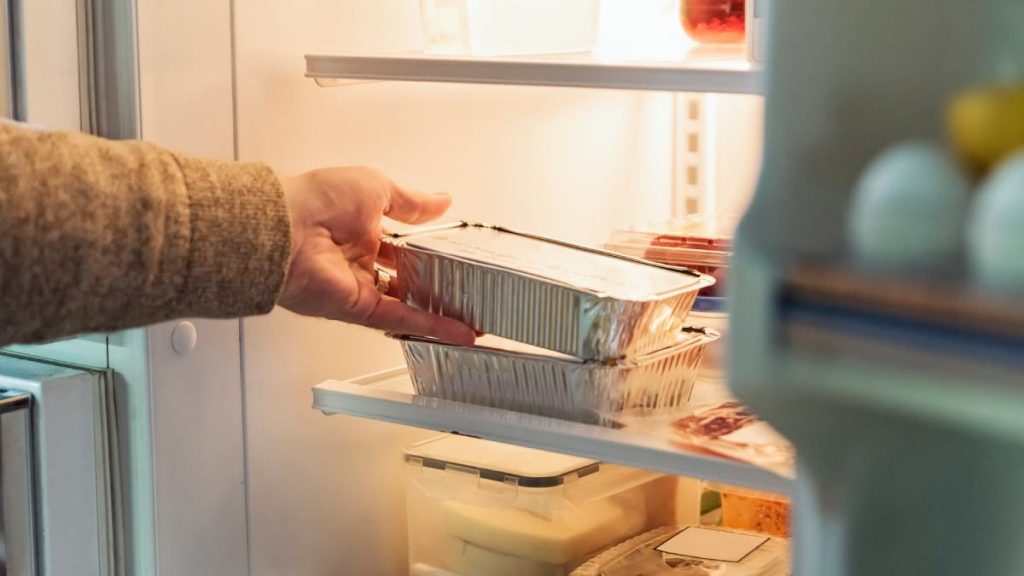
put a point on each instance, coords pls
(336, 225)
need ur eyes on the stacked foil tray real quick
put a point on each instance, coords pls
(554, 385)
(579, 301)
(610, 331)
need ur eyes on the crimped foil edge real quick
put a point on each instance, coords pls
(528, 309)
(591, 392)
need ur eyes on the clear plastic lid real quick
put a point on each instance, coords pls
(529, 468)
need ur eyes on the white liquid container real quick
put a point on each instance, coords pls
(501, 27)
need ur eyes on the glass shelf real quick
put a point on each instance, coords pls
(389, 396)
(720, 72)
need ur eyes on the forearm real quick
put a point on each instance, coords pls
(98, 236)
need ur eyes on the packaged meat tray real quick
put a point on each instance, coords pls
(702, 245)
(730, 429)
(513, 376)
(583, 302)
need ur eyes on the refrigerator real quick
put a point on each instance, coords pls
(273, 445)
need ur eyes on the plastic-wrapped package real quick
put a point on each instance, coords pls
(730, 429)
(702, 245)
(513, 376)
(692, 551)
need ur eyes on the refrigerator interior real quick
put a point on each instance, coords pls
(227, 468)
(232, 472)
(325, 495)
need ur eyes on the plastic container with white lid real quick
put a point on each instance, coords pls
(480, 507)
(504, 28)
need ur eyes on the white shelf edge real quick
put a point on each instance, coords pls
(366, 400)
(699, 76)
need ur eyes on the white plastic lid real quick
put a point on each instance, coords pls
(496, 461)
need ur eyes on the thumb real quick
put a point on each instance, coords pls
(414, 207)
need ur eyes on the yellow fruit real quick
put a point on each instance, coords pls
(986, 125)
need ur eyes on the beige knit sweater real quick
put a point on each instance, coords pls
(98, 235)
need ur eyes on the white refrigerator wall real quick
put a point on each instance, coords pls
(186, 438)
(326, 494)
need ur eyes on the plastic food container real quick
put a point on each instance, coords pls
(500, 27)
(715, 21)
(587, 303)
(692, 551)
(503, 374)
(484, 508)
(746, 509)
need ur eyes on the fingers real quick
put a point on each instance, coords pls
(414, 207)
(386, 255)
(394, 316)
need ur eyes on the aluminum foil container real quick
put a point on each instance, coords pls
(512, 376)
(584, 302)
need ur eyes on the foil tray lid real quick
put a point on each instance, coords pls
(598, 272)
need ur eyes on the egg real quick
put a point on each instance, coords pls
(995, 229)
(908, 209)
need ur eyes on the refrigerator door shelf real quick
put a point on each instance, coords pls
(388, 396)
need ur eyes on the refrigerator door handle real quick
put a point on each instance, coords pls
(12, 90)
(17, 510)
(108, 68)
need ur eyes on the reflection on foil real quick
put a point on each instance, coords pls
(579, 301)
(594, 392)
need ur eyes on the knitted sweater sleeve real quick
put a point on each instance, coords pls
(98, 235)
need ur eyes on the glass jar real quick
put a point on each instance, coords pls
(714, 21)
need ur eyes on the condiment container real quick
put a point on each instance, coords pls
(714, 21)
(692, 551)
(580, 301)
(757, 27)
(504, 374)
(746, 509)
(477, 507)
(500, 27)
